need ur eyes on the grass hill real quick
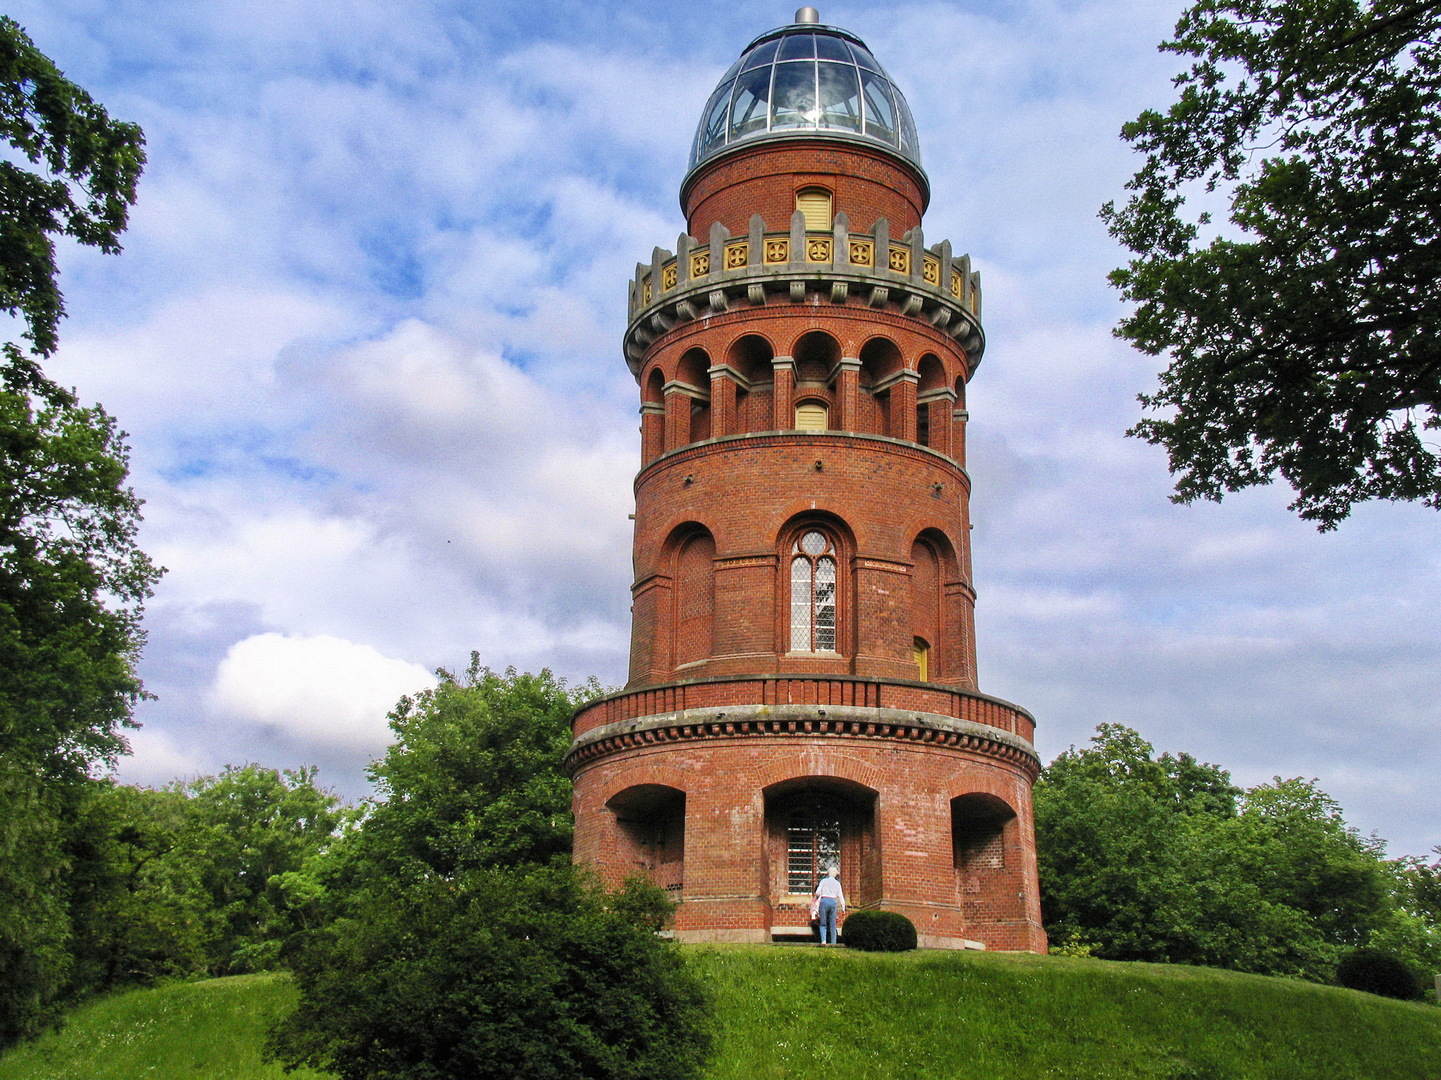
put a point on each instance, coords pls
(798, 1012)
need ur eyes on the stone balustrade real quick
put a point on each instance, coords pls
(803, 705)
(700, 279)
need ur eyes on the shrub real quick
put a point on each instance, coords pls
(1378, 972)
(878, 931)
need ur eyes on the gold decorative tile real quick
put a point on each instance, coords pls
(931, 271)
(737, 255)
(863, 253)
(818, 249)
(778, 250)
(668, 277)
(699, 264)
(900, 260)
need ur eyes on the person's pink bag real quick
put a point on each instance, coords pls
(815, 908)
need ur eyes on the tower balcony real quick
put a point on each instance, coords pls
(838, 266)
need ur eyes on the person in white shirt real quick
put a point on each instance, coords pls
(831, 896)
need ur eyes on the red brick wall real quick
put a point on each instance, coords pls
(730, 885)
(763, 179)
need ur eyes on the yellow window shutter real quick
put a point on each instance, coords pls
(923, 656)
(812, 417)
(815, 204)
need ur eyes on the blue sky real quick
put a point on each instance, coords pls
(365, 336)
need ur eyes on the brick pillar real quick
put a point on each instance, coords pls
(722, 402)
(958, 434)
(652, 431)
(725, 896)
(882, 617)
(650, 660)
(903, 407)
(784, 415)
(939, 406)
(677, 417)
(848, 389)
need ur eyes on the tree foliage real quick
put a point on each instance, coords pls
(72, 581)
(1163, 859)
(195, 878)
(1303, 335)
(456, 939)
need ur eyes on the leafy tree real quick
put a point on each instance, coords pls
(1146, 858)
(1113, 837)
(474, 776)
(458, 940)
(191, 879)
(71, 578)
(244, 830)
(1302, 337)
(519, 972)
(136, 906)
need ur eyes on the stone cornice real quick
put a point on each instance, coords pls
(764, 722)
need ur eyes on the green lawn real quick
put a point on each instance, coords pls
(798, 1012)
(209, 1030)
(788, 1011)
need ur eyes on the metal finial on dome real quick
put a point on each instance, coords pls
(808, 15)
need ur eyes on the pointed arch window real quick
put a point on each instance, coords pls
(813, 593)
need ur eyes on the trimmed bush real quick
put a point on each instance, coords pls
(878, 931)
(1378, 972)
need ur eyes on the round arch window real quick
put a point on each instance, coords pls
(813, 593)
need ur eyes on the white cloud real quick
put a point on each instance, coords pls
(316, 691)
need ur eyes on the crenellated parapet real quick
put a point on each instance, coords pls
(902, 275)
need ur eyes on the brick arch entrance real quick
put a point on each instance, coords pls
(811, 824)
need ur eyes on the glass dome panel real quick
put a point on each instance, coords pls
(794, 96)
(910, 144)
(761, 54)
(749, 107)
(713, 122)
(797, 47)
(864, 57)
(839, 96)
(832, 48)
(880, 111)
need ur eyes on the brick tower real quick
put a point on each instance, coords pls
(802, 685)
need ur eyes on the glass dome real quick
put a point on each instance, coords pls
(803, 78)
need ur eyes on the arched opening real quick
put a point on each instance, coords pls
(814, 203)
(815, 356)
(983, 840)
(926, 603)
(694, 371)
(694, 598)
(751, 358)
(933, 413)
(921, 649)
(812, 825)
(652, 413)
(650, 834)
(978, 829)
(933, 375)
(880, 359)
